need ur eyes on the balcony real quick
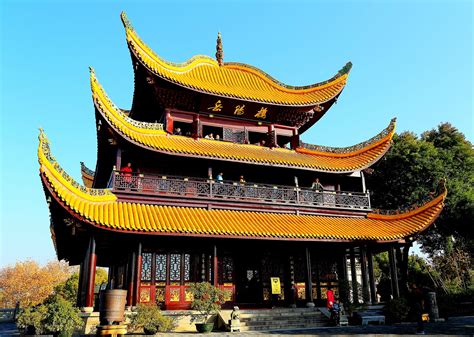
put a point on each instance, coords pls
(209, 189)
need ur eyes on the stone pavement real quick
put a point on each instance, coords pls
(456, 326)
(8, 329)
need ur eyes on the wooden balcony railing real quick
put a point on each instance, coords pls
(244, 192)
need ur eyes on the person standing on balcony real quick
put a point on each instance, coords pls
(317, 186)
(126, 172)
(241, 189)
(218, 188)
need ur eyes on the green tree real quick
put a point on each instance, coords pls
(412, 169)
(68, 289)
(457, 156)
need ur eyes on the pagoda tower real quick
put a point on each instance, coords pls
(205, 178)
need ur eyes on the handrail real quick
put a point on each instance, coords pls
(164, 185)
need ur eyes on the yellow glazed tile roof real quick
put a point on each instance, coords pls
(233, 80)
(102, 209)
(152, 136)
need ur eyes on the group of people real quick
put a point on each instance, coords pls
(211, 136)
(220, 178)
(416, 301)
(127, 172)
(178, 132)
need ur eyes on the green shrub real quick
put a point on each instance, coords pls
(149, 318)
(396, 310)
(207, 299)
(62, 316)
(456, 304)
(56, 315)
(32, 317)
(68, 288)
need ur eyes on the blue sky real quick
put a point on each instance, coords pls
(412, 60)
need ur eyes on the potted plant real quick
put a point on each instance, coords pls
(149, 318)
(207, 300)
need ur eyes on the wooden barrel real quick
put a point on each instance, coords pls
(112, 306)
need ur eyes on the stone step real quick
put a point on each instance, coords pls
(281, 318)
(302, 315)
(274, 323)
(276, 310)
(278, 313)
(281, 327)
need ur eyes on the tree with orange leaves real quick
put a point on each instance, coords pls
(29, 283)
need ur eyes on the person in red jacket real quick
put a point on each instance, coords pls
(329, 298)
(126, 171)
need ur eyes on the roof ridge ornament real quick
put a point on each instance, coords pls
(219, 50)
(346, 69)
(125, 20)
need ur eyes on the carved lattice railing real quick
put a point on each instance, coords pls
(244, 192)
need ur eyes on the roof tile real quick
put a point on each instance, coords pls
(158, 140)
(102, 209)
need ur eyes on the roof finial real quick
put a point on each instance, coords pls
(219, 52)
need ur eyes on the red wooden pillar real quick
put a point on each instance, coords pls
(215, 266)
(272, 138)
(295, 139)
(138, 274)
(90, 283)
(196, 126)
(309, 277)
(80, 298)
(118, 160)
(131, 278)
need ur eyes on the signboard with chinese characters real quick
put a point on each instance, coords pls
(276, 286)
(238, 109)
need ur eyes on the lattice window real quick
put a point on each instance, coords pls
(175, 267)
(249, 274)
(234, 136)
(160, 267)
(187, 267)
(146, 266)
